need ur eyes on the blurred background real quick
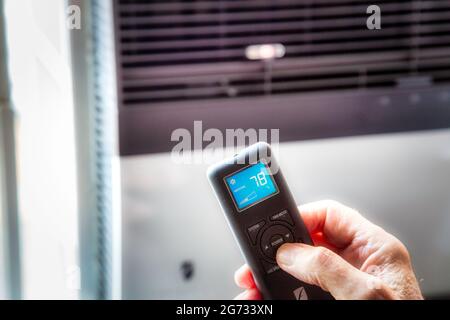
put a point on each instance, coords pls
(92, 205)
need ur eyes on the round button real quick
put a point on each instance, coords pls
(273, 237)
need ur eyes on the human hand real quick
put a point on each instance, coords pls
(352, 258)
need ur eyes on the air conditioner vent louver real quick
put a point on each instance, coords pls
(192, 50)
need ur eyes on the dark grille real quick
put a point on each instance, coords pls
(194, 50)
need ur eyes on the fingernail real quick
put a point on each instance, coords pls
(285, 255)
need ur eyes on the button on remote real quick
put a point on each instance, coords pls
(272, 238)
(269, 267)
(276, 241)
(282, 216)
(254, 230)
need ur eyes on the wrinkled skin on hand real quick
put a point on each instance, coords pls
(352, 257)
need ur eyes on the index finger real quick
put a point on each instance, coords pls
(336, 222)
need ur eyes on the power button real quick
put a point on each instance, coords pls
(273, 238)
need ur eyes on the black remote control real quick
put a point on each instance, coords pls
(263, 215)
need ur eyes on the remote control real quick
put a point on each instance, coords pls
(262, 215)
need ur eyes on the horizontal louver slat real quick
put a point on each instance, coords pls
(300, 27)
(332, 35)
(150, 19)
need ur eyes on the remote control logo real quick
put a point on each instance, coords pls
(300, 294)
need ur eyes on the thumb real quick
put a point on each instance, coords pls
(322, 267)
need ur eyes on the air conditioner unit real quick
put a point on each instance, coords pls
(181, 61)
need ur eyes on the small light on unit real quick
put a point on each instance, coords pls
(265, 51)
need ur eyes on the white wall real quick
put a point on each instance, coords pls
(41, 80)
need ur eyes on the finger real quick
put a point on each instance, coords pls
(250, 294)
(320, 241)
(337, 223)
(322, 267)
(244, 278)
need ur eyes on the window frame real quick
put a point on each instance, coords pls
(10, 284)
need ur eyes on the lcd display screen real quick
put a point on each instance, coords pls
(251, 185)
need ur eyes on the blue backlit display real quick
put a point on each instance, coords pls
(251, 185)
